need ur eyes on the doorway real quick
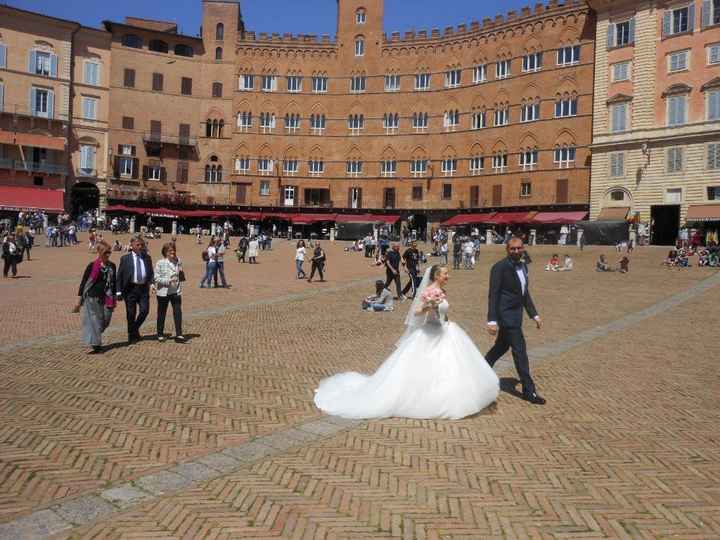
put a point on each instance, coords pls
(85, 196)
(665, 224)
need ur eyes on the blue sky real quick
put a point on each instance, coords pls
(296, 16)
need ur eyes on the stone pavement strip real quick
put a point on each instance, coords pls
(101, 504)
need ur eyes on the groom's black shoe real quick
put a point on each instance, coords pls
(534, 398)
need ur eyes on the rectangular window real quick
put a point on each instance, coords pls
(713, 105)
(42, 102)
(566, 107)
(154, 172)
(89, 108)
(417, 193)
(502, 69)
(125, 167)
(530, 112)
(452, 78)
(451, 120)
(480, 74)
(186, 86)
(43, 63)
(217, 89)
(3, 55)
(359, 47)
(564, 157)
(567, 56)
(420, 121)
(92, 73)
(525, 189)
(157, 82)
(617, 164)
(674, 160)
(677, 110)
(356, 123)
(447, 192)
(316, 167)
(269, 83)
(619, 113)
(714, 54)
(264, 188)
(246, 82)
(388, 167)
(242, 165)
(678, 61)
(320, 85)
(128, 122)
(499, 163)
(290, 167)
(528, 159)
(392, 83)
(479, 120)
(265, 166)
(532, 62)
(87, 159)
(621, 71)
(477, 164)
(449, 167)
(129, 78)
(679, 20)
(357, 83)
(244, 121)
(710, 13)
(502, 116)
(418, 167)
(713, 193)
(422, 81)
(294, 84)
(621, 34)
(354, 168)
(713, 156)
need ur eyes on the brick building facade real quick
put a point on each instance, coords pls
(495, 115)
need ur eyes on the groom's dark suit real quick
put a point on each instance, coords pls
(506, 300)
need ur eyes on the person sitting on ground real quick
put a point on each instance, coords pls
(671, 259)
(554, 264)
(624, 265)
(382, 300)
(567, 264)
(703, 257)
(713, 257)
(117, 246)
(682, 259)
(601, 265)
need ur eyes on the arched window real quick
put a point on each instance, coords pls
(207, 173)
(359, 46)
(220, 32)
(158, 45)
(218, 53)
(360, 16)
(132, 40)
(184, 50)
(217, 90)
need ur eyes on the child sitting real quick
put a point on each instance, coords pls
(671, 259)
(624, 265)
(554, 264)
(567, 264)
(601, 265)
(382, 300)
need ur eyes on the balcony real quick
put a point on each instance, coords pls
(33, 167)
(177, 140)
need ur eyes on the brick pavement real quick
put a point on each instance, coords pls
(76, 424)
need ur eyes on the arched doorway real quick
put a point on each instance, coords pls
(84, 196)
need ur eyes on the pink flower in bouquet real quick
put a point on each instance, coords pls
(433, 296)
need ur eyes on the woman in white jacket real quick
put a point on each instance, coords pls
(168, 284)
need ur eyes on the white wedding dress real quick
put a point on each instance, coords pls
(435, 372)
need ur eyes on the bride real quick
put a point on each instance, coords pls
(435, 372)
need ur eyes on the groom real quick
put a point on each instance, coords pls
(507, 297)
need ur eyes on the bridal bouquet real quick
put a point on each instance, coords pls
(433, 297)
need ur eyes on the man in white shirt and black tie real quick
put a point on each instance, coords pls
(508, 296)
(135, 274)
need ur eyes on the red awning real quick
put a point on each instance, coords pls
(28, 198)
(277, 215)
(119, 208)
(703, 212)
(366, 218)
(613, 213)
(467, 219)
(511, 218)
(249, 216)
(558, 218)
(307, 219)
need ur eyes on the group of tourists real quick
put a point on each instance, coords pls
(682, 256)
(104, 284)
(317, 261)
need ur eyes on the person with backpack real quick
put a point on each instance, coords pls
(242, 248)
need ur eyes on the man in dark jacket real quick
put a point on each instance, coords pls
(134, 277)
(508, 296)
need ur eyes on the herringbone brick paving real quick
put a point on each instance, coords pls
(625, 448)
(74, 423)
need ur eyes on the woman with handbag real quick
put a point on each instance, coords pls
(97, 297)
(169, 276)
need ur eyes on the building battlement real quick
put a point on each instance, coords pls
(287, 38)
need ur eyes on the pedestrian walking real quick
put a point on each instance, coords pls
(300, 259)
(10, 254)
(169, 276)
(318, 263)
(209, 255)
(220, 264)
(242, 248)
(97, 297)
(134, 276)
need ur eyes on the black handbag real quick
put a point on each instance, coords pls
(181, 275)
